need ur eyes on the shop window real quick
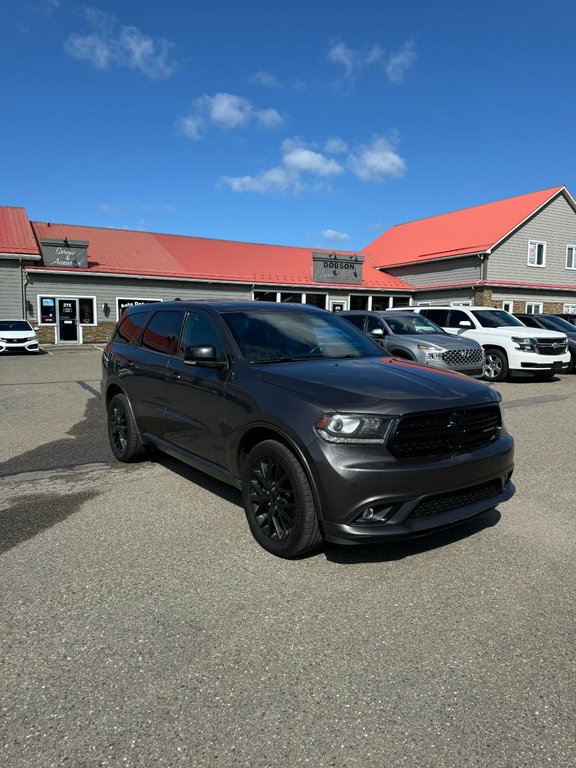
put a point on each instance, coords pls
(571, 257)
(536, 254)
(47, 310)
(400, 301)
(265, 296)
(316, 299)
(380, 303)
(569, 309)
(87, 312)
(291, 298)
(508, 306)
(359, 302)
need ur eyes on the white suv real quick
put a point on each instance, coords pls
(511, 348)
(17, 335)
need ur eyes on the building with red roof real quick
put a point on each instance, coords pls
(74, 281)
(518, 253)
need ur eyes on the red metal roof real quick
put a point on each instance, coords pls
(124, 252)
(471, 230)
(16, 235)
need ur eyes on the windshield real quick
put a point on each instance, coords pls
(557, 324)
(276, 336)
(495, 318)
(411, 325)
(14, 325)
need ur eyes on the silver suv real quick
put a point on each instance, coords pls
(413, 337)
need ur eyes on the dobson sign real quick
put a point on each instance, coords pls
(337, 268)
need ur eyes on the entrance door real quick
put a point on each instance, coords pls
(68, 321)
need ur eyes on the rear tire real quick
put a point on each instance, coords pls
(122, 431)
(496, 367)
(279, 502)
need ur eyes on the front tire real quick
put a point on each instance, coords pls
(122, 431)
(496, 367)
(279, 502)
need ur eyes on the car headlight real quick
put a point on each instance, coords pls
(525, 343)
(431, 351)
(353, 428)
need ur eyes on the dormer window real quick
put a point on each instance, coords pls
(536, 254)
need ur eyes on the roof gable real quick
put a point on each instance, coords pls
(471, 230)
(16, 235)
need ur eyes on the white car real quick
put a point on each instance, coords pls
(18, 334)
(511, 348)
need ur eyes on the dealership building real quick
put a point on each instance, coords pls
(73, 281)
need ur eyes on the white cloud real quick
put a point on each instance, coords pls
(333, 236)
(395, 65)
(336, 146)
(302, 160)
(265, 79)
(303, 168)
(226, 111)
(376, 161)
(110, 44)
(398, 63)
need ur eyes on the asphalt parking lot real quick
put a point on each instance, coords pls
(141, 625)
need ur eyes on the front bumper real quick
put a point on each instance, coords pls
(413, 496)
(19, 346)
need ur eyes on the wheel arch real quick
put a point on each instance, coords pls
(257, 434)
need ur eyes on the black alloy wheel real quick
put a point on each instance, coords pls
(279, 502)
(122, 431)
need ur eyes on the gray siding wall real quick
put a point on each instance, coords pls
(555, 225)
(443, 297)
(10, 290)
(465, 269)
(107, 290)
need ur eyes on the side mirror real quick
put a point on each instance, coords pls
(204, 356)
(465, 324)
(377, 332)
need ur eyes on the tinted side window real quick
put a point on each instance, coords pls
(357, 320)
(128, 328)
(161, 333)
(438, 316)
(199, 330)
(373, 322)
(456, 317)
(529, 321)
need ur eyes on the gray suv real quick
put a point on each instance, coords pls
(325, 438)
(413, 337)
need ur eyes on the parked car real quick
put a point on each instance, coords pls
(510, 351)
(553, 323)
(413, 337)
(18, 335)
(325, 437)
(568, 317)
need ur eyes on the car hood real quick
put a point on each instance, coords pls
(17, 334)
(377, 385)
(521, 330)
(447, 341)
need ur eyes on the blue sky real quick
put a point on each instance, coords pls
(316, 124)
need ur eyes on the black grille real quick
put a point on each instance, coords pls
(429, 434)
(551, 346)
(435, 505)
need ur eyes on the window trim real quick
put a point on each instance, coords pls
(508, 305)
(569, 309)
(57, 296)
(543, 244)
(539, 304)
(573, 247)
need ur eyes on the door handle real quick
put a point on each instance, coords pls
(174, 375)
